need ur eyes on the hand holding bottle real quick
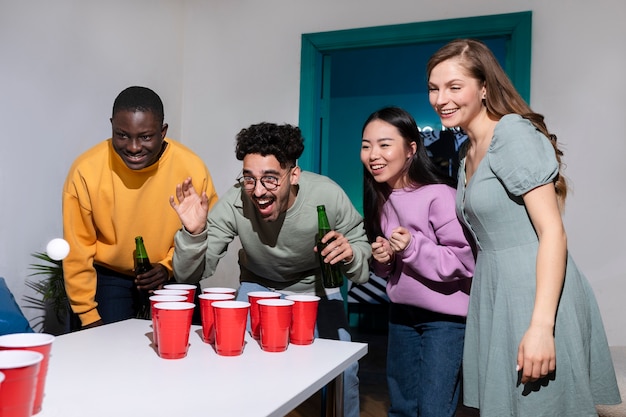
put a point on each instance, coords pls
(337, 249)
(331, 248)
(192, 208)
(148, 276)
(142, 267)
(152, 279)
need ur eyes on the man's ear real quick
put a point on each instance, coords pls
(295, 175)
(164, 130)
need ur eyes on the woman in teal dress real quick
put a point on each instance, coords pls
(534, 344)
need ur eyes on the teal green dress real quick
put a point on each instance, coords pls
(519, 159)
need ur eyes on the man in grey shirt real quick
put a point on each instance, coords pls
(273, 211)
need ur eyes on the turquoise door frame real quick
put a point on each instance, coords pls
(315, 63)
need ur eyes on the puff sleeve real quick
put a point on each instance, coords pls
(521, 156)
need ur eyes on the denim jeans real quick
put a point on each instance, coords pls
(332, 323)
(424, 355)
(116, 295)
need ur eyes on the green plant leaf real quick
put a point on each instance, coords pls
(51, 288)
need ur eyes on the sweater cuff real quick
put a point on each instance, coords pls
(89, 317)
(187, 235)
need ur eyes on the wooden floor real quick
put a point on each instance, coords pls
(372, 380)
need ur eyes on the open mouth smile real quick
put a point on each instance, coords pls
(377, 167)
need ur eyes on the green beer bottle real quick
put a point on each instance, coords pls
(142, 265)
(332, 276)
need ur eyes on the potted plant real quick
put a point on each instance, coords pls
(57, 317)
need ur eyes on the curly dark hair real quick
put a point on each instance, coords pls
(139, 99)
(284, 142)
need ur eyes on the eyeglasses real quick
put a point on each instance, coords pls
(270, 182)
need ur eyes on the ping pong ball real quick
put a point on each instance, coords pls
(58, 249)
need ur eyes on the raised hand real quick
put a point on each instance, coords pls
(192, 208)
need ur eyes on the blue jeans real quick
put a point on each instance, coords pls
(116, 295)
(424, 355)
(332, 323)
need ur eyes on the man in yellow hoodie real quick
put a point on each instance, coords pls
(115, 191)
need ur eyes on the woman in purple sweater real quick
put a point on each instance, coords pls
(421, 248)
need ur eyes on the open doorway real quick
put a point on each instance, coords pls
(317, 64)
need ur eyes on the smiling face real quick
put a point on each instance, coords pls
(271, 203)
(455, 96)
(386, 154)
(137, 137)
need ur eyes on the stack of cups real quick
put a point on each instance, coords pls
(304, 318)
(275, 319)
(19, 388)
(219, 290)
(162, 299)
(36, 342)
(230, 326)
(173, 324)
(191, 290)
(170, 292)
(253, 298)
(208, 316)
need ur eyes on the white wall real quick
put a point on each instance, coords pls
(221, 65)
(61, 65)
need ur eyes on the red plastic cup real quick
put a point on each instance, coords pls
(304, 318)
(219, 290)
(163, 299)
(37, 342)
(188, 287)
(208, 316)
(230, 326)
(275, 315)
(20, 369)
(253, 297)
(166, 299)
(173, 327)
(170, 292)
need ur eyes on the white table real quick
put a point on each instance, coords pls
(113, 370)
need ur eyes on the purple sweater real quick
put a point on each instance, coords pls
(434, 271)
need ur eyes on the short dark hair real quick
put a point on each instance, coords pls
(284, 142)
(139, 99)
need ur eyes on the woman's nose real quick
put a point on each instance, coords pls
(441, 98)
